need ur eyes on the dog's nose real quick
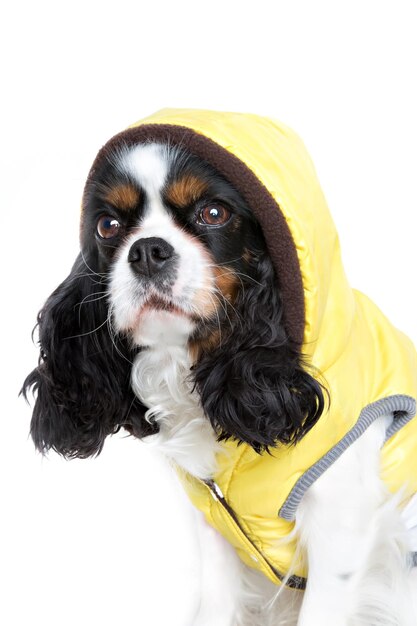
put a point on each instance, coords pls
(148, 256)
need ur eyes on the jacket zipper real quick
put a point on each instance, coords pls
(295, 582)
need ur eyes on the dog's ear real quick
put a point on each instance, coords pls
(82, 381)
(255, 388)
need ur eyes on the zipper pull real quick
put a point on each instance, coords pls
(215, 490)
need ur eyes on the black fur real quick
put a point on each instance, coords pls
(254, 387)
(83, 378)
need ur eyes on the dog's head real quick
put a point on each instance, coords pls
(171, 254)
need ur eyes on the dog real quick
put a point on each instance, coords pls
(200, 316)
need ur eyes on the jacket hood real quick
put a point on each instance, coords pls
(269, 165)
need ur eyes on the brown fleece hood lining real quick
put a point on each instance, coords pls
(274, 226)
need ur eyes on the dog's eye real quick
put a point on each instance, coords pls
(107, 227)
(213, 215)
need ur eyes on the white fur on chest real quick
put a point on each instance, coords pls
(161, 380)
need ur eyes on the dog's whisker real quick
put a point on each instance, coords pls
(88, 267)
(223, 304)
(112, 335)
(90, 298)
(249, 278)
(104, 276)
(211, 294)
(240, 274)
(90, 332)
(215, 265)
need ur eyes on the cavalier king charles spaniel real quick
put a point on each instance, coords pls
(170, 326)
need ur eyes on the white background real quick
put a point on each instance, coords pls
(110, 541)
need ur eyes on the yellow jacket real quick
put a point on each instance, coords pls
(368, 366)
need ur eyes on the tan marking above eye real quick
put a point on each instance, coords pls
(123, 196)
(185, 190)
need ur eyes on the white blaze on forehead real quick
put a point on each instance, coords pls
(148, 165)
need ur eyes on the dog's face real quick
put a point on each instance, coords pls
(171, 254)
(175, 240)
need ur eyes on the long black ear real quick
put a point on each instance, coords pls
(83, 378)
(255, 388)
